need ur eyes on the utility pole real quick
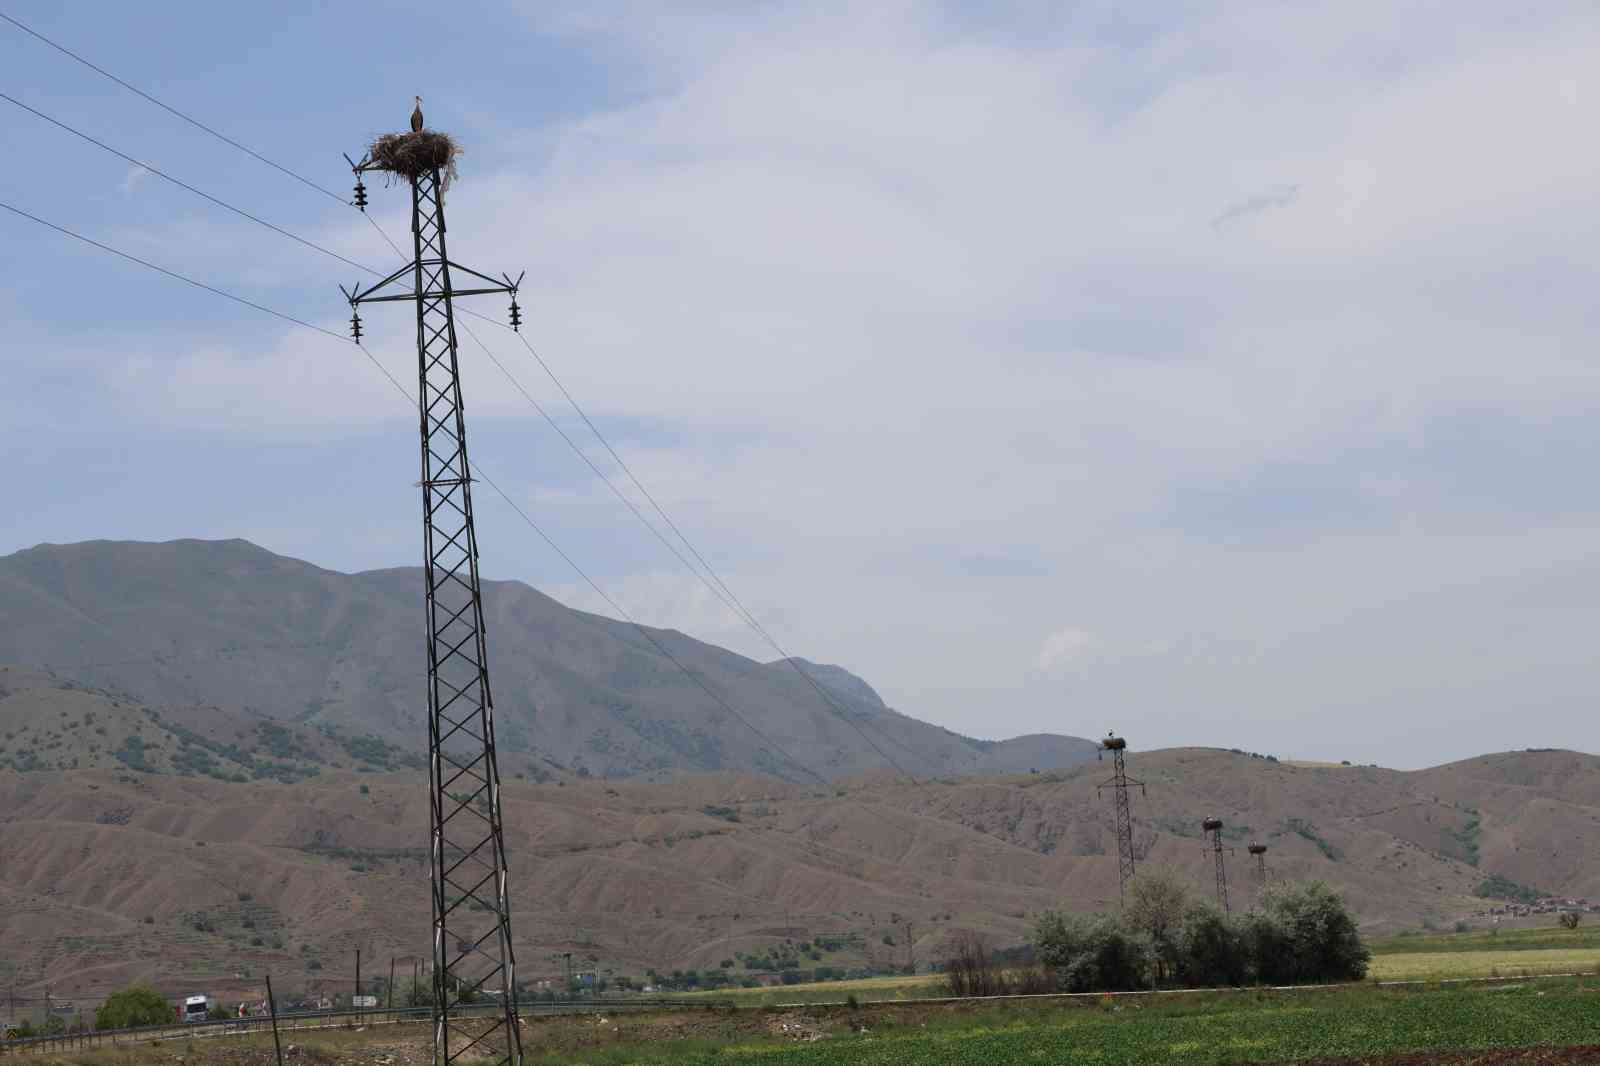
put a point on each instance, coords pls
(472, 948)
(911, 947)
(358, 978)
(1118, 784)
(1213, 829)
(391, 982)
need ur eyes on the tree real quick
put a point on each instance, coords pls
(1210, 949)
(1156, 907)
(1319, 932)
(1097, 954)
(132, 1007)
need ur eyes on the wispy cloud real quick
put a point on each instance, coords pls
(135, 176)
(1065, 646)
(1277, 196)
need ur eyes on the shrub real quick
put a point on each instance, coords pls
(1211, 949)
(132, 1007)
(1321, 934)
(1569, 919)
(1156, 908)
(1097, 954)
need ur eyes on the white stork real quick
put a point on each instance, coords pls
(416, 116)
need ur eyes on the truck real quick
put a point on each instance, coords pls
(195, 1009)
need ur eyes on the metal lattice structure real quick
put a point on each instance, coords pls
(1213, 829)
(1119, 784)
(1260, 852)
(473, 961)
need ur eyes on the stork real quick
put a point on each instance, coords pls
(416, 116)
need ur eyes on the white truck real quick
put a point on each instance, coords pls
(195, 1009)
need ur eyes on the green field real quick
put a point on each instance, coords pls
(1507, 940)
(1197, 1031)
(1422, 966)
(865, 989)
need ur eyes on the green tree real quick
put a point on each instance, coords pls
(1156, 907)
(1210, 949)
(1320, 933)
(1097, 954)
(132, 1007)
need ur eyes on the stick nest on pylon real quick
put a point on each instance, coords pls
(411, 155)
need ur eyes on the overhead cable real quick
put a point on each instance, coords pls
(476, 470)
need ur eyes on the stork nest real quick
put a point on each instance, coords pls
(411, 155)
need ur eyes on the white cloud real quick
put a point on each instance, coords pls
(918, 322)
(1063, 647)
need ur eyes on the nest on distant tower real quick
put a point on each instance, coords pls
(411, 155)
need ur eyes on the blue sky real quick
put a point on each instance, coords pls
(1223, 373)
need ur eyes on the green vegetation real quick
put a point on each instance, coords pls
(1469, 836)
(1496, 887)
(1305, 829)
(1188, 1030)
(1296, 935)
(139, 1005)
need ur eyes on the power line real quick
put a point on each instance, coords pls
(717, 586)
(476, 470)
(224, 138)
(64, 50)
(171, 273)
(158, 172)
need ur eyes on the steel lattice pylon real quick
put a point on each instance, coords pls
(1213, 829)
(473, 959)
(1124, 807)
(1260, 852)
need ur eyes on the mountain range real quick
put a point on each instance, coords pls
(230, 626)
(209, 770)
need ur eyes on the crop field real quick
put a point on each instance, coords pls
(1202, 1029)
(865, 989)
(1505, 940)
(1460, 964)
(1264, 1029)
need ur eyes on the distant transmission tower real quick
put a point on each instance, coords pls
(1260, 852)
(472, 954)
(1213, 828)
(1118, 784)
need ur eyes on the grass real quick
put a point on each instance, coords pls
(1265, 1028)
(865, 989)
(1203, 1029)
(1457, 964)
(1506, 940)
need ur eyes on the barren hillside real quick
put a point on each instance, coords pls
(111, 875)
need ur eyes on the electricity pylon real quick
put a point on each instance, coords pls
(472, 954)
(1118, 784)
(1213, 829)
(1260, 852)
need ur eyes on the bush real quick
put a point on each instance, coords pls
(1321, 934)
(1156, 907)
(133, 1007)
(1211, 950)
(1298, 935)
(1097, 954)
(1569, 919)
